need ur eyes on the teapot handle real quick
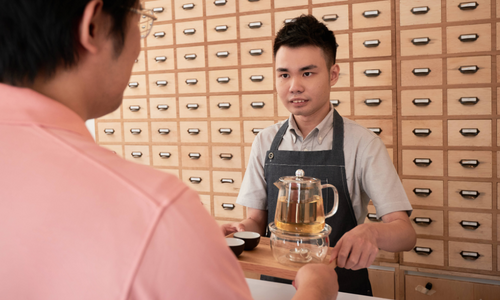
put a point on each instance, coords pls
(335, 199)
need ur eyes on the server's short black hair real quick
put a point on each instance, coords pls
(306, 30)
(37, 36)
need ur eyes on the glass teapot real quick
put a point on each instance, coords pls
(300, 204)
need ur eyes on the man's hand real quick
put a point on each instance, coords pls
(232, 228)
(357, 249)
(316, 281)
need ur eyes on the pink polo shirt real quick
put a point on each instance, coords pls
(79, 222)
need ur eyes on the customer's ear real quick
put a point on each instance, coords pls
(92, 28)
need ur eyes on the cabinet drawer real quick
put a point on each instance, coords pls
(165, 156)
(109, 132)
(422, 72)
(224, 106)
(476, 164)
(286, 16)
(160, 108)
(136, 132)
(422, 132)
(422, 102)
(372, 44)
(371, 14)
(226, 182)
(194, 132)
(161, 8)
(475, 133)
(257, 79)
(222, 55)
(253, 26)
(468, 38)
(223, 29)
(445, 289)
(161, 60)
(223, 81)
(252, 128)
(470, 225)
(164, 132)
(289, 3)
(426, 41)
(136, 86)
(222, 7)
(419, 12)
(190, 57)
(116, 149)
(226, 132)
(335, 17)
(198, 180)
(188, 9)
(382, 282)
(226, 157)
(135, 108)
(423, 162)
(161, 35)
(342, 46)
(137, 153)
(192, 82)
(373, 103)
(466, 194)
(459, 10)
(258, 105)
(427, 222)
(468, 70)
(193, 107)
(189, 32)
(207, 203)
(160, 84)
(256, 53)
(470, 255)
(251, 6)
(226, 207)
(382, 128)
(140, 63)
(427, 252)
(344, 76)
(373, 73)
(116, 114)
(472, 101)
(424, 192)
(195, 157)
(341, 101)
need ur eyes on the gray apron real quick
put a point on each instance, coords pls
(329, 166)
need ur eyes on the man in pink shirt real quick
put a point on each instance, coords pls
(76, 221)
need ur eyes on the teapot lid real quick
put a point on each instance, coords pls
(299, 178)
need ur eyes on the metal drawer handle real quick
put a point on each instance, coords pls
(422, 162)
(330, 18)
(254, 25)
(223, 79)
(226, 180)
(162, 107)
(472, 225)
(190, 56)
(371, 13)
(422, 192)
(226, 156)
(372, 72)
(135, 130)
(290, 20)
(468, 5)
(222, 54)
(221, 28)
(335, 102)
(159, 34)
(469, 131)
(422, 250)
(468, 37)
(161, 83)
(220, 2)
(373, 217)
(256, 78)
(134, 108)
(191, 81)
(376, 130)
(469, 194)
(420, 10)
(224, 105)
(253, 0)
(192, 106)
(193, 131)
(373, 102)
(158, 10)
(421, 71)
(469, 255)
(189, 31)
(256, 130)
(136, 154)
(109, 131)
(163, 131)
(188, 6)
(469, 163)
(422, 221)
(165, 154)
(228, 206)
(421, 41)
(257, 104)
(160, 58)
(468, 100)
(468, 69)
(256, 52)
(225, 130)
(133, 84)
(371, 43)
(421, 131)
(194, 155)
(421, 101)
(195, 180)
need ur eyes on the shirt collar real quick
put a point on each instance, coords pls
(322, 128)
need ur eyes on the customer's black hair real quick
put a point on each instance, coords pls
(306, 30)
(37, 36)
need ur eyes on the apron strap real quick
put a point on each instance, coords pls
(279, 136)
